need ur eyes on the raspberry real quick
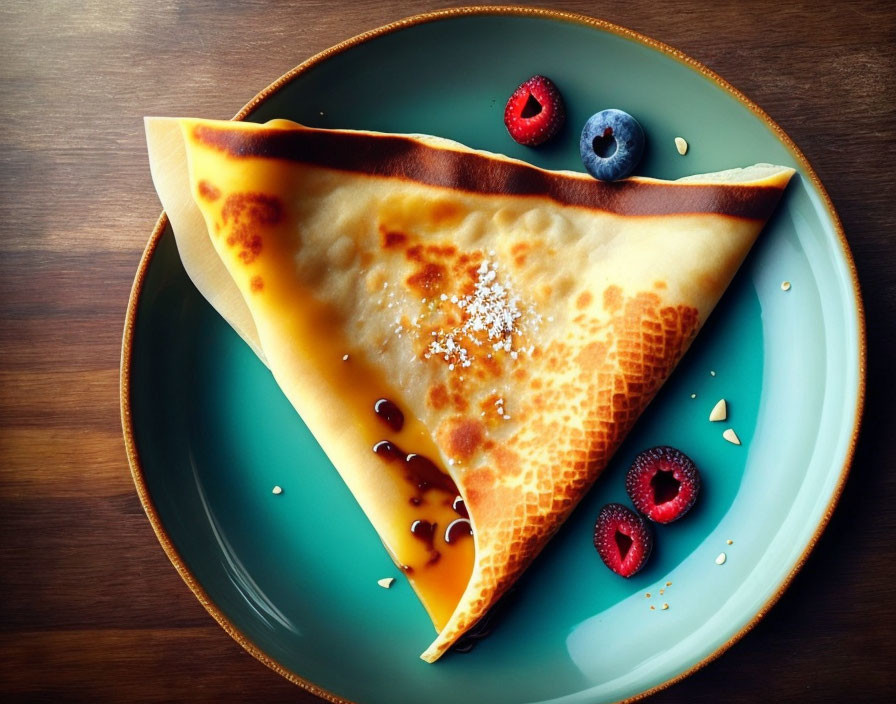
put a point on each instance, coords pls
(622, 539)
(535, 112)
(663, 483)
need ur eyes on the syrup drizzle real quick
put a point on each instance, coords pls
(423, 474)
(419, 470)
(425, 532)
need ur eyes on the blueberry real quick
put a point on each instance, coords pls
(612, 144)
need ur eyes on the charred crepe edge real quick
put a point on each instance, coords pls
(443, 163)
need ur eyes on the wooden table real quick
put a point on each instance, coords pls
(91, 609)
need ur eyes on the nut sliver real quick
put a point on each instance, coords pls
(731, 436)
(719, 411)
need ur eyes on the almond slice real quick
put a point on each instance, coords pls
(731, 436)
(681, 145)
(719, 411)
(385, 582)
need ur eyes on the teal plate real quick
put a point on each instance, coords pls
(293, 577)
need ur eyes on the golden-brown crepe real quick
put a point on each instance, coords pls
(519, 319)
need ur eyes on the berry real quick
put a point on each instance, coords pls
(663, 483)
(535, 112)
(623, 539)
(611, 145)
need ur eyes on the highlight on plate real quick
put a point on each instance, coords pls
(467, 336)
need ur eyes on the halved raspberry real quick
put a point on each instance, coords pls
(623, 539)
(535, 111)
(663, 483)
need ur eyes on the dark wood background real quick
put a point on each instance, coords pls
(90, 608)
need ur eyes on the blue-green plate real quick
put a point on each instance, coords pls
(293, 577)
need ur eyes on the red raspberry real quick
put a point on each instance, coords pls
(535, 112)
(663, 483)
(623, 539)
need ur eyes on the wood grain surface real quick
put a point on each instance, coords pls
(90, 608)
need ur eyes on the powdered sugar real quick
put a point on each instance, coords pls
(493, 316)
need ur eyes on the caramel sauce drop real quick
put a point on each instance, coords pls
(389, 413)
(388, 451)
(424, 531)
(457, 529)
(424, 473)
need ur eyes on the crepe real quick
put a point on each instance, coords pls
(519, 319)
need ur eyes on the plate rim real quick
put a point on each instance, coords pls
(127, 350)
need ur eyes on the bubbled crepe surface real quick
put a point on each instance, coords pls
(609, 304)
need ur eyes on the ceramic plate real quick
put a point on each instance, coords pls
(294, 577)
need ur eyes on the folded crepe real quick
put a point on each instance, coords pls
(468, 337)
